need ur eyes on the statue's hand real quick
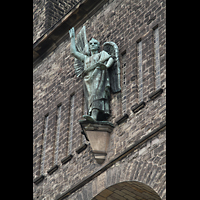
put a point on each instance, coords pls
(101, 66)
(72, 33)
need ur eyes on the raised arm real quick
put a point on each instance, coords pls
(73, 50)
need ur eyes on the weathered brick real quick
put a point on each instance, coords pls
(54, 81)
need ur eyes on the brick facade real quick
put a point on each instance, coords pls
(126, 23)
(47, 13)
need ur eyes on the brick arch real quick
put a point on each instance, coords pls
(147, 173)
(131, 190)
(145, 166)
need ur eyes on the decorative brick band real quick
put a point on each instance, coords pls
(137, 106)
(81, 148)
(155, 94)
(38, 179)
(53, 169)
(66, 159)
(122, 119)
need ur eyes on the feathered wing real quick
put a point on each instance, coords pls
(83, 47)
(114, 70)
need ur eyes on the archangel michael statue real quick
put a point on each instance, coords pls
(100, 72)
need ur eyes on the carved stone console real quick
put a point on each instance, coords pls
(98, 133)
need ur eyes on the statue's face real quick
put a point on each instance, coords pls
(94, 45)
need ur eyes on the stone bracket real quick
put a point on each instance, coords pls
(98, 133)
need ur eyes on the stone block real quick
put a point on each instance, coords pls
(98, 134)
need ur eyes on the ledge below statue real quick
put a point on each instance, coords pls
(98, 133)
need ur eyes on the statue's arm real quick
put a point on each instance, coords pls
(110, 62)
(73, 50)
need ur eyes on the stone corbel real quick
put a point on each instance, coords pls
(98, 133)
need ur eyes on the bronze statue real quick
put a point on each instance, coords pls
(100, 72)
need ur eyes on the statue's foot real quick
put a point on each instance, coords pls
(89, 118)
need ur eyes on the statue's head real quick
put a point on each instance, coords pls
(94, 45)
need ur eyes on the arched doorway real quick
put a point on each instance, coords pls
(128, 190)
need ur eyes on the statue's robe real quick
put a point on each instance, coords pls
(97, 84)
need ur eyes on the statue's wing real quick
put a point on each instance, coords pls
(114, 70)
(83, 47)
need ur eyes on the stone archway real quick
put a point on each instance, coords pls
(128, 190)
